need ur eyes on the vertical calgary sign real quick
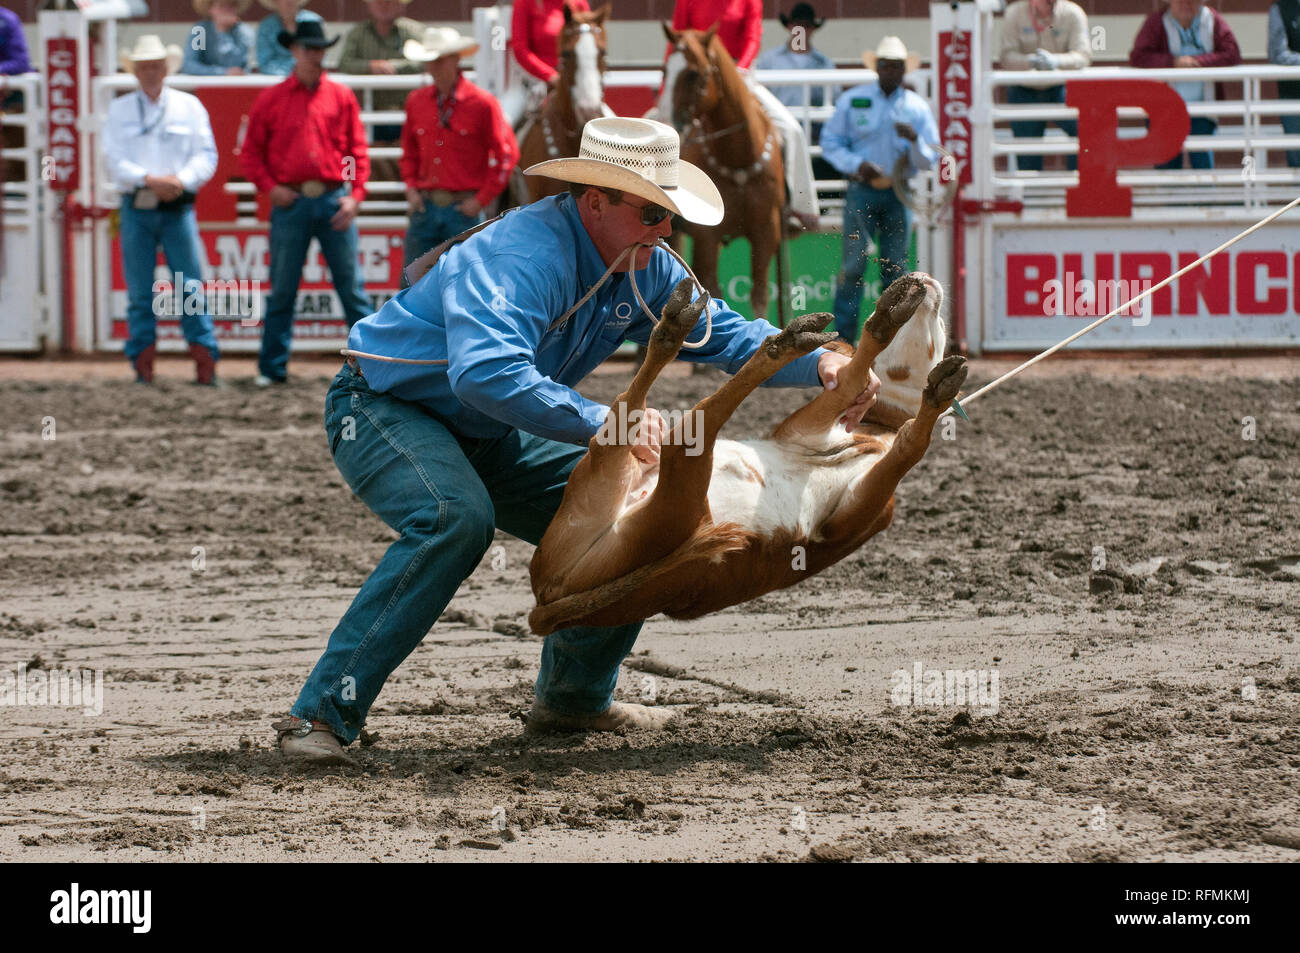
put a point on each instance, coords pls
(61, 81)
(955, 98)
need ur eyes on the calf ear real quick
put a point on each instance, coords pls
(668, 32)
(603, 13)
(568, 14)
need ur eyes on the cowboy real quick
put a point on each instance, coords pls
(535, 35)
(159, 150)
(458, 150)
(306, 149)
(446, 453)
(1043, 35)
(1284, 50)
(220, 45)
(740, 30)
(876, 126)
(272, 58)
(375, 47)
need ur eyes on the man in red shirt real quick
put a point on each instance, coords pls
(535, 31)
(458, 150)
(306, 148)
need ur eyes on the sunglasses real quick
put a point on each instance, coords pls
(651, 214)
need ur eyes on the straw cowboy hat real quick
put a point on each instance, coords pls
(149, 48)
(891, 48)
(201, 7)
(643, 157)
(438, 41)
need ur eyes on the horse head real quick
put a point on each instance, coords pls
(692, 85)
(582, 61)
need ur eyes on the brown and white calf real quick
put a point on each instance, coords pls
(717, 522)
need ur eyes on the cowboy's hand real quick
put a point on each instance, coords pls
(828, 369)
(1185, 62)
(905, 130)
(415, 200)
(235, 71)
(1043, 59)
(341, 219)
(648, 436)
(469, 208)
(382, 68)
(868, 171)
(282, 196)
(166, 187)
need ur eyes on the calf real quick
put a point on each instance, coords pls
(719, 525)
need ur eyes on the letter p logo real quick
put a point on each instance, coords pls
(1102, 153)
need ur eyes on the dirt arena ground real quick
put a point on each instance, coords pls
(1147, 709)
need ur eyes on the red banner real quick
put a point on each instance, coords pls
(955, 100)
(62, 115)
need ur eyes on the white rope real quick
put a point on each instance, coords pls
(1125, 306)
(659, 243)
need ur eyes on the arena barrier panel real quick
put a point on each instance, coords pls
(26, 317)
(1042, 253)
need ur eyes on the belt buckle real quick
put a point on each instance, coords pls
(313, 189)
(441, 198)
(144, 199)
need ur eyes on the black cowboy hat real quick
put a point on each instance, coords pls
(308, 33)
(802, 13)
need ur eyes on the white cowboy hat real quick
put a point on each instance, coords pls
(148, 48)
(201, 7)
(438, 41)
(891, 48)
(643, 157)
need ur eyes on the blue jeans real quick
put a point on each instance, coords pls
(1201, 126)
(142, 232)
(444, 494)
(292, 230)
(1034, 128)
(432, 226)
(1291, 126)
(869, 211)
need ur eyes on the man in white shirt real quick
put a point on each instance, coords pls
(160, 151)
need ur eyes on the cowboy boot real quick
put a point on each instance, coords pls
(143, 364)
(206, 366)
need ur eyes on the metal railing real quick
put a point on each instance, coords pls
(22, 196)
(1249, 129)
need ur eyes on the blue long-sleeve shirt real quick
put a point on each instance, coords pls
(209, 52)
(862, 130)
(1279, 50)
(13, 45)
(272, 58)
(487, 306)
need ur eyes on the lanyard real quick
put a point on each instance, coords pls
(162, 113)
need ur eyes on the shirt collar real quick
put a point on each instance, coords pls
(455, 90)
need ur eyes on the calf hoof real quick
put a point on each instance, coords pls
(678, 316)
(895, 308)
(802, 335)
(945, 381)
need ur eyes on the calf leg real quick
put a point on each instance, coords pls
(858, 515)
(894, 309)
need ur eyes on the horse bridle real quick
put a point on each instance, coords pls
(548, 134)
(739, 176)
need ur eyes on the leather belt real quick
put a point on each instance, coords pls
(442, 198)
(313, 188)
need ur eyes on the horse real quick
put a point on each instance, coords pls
(579, 95)
(725, 132)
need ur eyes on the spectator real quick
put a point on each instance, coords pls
(272, 58)
(535, 35)
(798, 53)
(1186, 35)
(874, 126)
(159, 150)
(1284, 50)
(220, 45)
(1043, 35)
(13, 45)
(457, 149)
(375, 48)
(305, 145)
(740, 29)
